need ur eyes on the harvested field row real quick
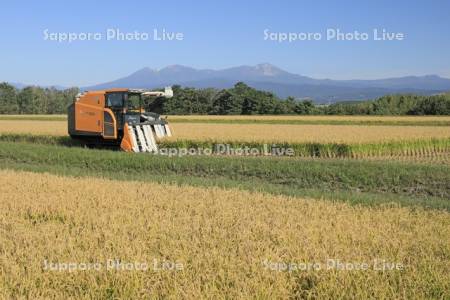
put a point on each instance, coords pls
(390, 150)
(426, 149)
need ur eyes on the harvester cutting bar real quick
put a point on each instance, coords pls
(143, 139)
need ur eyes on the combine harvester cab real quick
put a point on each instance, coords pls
(116, 118)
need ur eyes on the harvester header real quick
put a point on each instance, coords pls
(117, 118)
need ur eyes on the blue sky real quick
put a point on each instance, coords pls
(220, 34)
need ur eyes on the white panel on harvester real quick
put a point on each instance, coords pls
(142, 140)
(150, 138)
(169, 133)
(135, 146)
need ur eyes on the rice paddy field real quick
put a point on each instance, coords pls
(258, 132)
(274, 119)
(360, 211)
(306, 133)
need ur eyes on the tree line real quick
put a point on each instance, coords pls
(408, 104)
(238, 100)
(34, 100)
(245, 100)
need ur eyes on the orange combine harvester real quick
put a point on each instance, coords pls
(116, 118)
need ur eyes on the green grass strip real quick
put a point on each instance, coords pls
(357, 182)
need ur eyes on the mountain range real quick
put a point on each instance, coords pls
(271, 78)
(282, 83)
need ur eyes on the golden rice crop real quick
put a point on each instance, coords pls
(25, 117)
(312, 118)
(34, 127)
(259, 132)
(413, 119)
(229, 243)
(305, 133)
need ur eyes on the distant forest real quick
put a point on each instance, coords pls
(239, 100)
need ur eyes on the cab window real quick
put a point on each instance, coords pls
(134, 101)
(114, 99)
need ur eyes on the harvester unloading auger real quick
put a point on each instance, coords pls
(116, 118)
